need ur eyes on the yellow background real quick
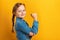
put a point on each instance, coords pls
(48, 16)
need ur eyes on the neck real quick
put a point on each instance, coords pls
(19, 18)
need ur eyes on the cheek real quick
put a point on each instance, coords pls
(18, 14)
(24, 12)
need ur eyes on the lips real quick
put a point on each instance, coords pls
(22, 14)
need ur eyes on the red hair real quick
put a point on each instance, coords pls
(14, 12)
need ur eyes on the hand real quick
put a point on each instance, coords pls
(34, 15)
(31, 34)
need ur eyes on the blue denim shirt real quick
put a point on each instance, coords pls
(23, 29)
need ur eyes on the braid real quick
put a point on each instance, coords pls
(13, 23)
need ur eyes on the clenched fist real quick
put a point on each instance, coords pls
(34, 15)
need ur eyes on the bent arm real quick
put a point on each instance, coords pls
(25, 28)
(35, 27)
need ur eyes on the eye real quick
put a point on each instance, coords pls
(24, 10)
(19, 11)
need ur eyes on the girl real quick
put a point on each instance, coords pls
(23, 32)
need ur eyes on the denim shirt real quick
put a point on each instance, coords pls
(22, 29)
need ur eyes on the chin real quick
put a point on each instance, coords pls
(22, 16)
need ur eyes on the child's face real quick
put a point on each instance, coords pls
(21, 12)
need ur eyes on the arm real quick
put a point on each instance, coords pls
(23, 27)
(35, 27)
(35, 23)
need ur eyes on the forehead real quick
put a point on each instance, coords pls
(21, 7)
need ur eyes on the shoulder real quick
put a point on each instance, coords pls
(19, 22)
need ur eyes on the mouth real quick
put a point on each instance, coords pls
(22, 14)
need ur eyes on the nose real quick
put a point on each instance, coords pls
(22, 12)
